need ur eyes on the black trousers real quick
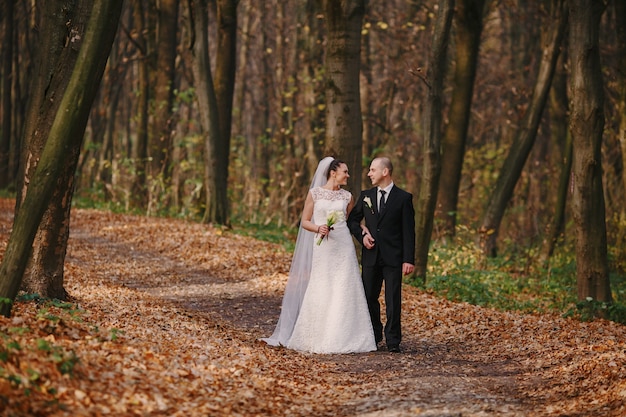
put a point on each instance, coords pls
(373, 278)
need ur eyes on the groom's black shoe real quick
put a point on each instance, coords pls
(394, 348)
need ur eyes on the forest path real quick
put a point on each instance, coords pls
(457, 359)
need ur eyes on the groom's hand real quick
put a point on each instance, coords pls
(368, 241)
(407, 268)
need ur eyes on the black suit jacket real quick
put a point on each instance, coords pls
(393, 229)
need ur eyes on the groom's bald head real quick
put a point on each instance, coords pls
(384, 162)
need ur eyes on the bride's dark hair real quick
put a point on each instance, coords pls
(333, 166)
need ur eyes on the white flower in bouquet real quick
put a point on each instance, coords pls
(332, 218)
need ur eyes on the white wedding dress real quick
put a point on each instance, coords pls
(333, 317)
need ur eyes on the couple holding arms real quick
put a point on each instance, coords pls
(329, 305)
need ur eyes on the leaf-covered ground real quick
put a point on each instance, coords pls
(164, 321)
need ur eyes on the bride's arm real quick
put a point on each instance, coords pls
(307, 215)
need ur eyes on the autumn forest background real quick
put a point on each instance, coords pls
(218, 111)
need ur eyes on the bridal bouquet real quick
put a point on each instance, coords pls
(332, 218)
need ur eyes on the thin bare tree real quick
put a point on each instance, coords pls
(433, 116)
(215, 100)
(553, 33)
(468, 20)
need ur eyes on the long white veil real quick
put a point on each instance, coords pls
(299, 272)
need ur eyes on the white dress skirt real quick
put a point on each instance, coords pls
(333, 317)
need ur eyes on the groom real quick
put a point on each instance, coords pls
(388, 246)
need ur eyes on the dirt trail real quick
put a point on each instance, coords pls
(431, 377)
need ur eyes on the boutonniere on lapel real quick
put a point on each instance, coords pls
(368, 202)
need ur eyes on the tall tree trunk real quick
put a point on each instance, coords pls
(526, 135)
(562, 140)
(140, 151)
(367, 108)
(60, 28)
(432, 136)
(535, 193)
(207, 102)
(64, 138)
(469, 26)
(310, 76)
(620, 20)
(50, 80)
(586, 125)
(160, 146)
(225, 70)
(287, 55)
(111, 100)
(252, 196)
(261, 143)
(344, 126)
(7, 84)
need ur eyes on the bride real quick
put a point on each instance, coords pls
(324, 308)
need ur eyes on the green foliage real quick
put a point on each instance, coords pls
(616, 232)
(42, 344)
(47, 303)
(7, 193)
(515, 281)
(283, 235)
(114, 334)
(95, 198)
(590, 309)
(126, 196)
(50, 315)
(186, 96)
(8, 345)
(28, 297)
(44, 314)
(64, 360)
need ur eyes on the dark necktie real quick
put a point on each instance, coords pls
(381, 206)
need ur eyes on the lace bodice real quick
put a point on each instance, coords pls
(329, 201)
